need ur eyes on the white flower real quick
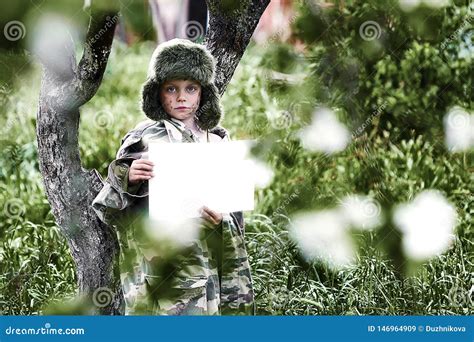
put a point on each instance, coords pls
(51, 34)
(325, 134)
(262, 173)
(130, 295)
(436, 3)
(323, 236)
(361, 211)
(173, 233)
(459, 129)
(427, 224)
(409, 5)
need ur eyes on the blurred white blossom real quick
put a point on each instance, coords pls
(262, 173)
(436, 3)
(51, 35)
(361, 211)
(427, 224)
(410, 5)
(323, 236)
(459, 129)
(325, 134)
(130, 295)
(173, 233)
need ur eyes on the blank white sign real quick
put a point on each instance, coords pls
(190, 175)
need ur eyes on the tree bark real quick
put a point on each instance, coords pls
(69, 187)
(231, 25)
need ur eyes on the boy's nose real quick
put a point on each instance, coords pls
(181, 96)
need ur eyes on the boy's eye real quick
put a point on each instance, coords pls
(192, 88)
(170, 89)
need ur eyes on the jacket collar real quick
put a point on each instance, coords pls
(178, 122)
(174, 133)
(175, 127)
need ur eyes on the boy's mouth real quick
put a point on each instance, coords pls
(181, 108)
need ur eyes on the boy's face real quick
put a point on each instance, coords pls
(180, 98)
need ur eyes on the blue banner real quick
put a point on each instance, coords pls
(260, 328)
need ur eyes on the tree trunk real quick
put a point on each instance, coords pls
(231, 25)
(70, 188)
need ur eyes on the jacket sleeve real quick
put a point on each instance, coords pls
(117, 195)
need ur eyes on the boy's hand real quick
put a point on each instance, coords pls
(140, 170)
(211, 216)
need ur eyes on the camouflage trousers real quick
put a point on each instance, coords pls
(210, 277)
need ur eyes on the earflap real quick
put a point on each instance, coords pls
(151, 103)
(210, 111)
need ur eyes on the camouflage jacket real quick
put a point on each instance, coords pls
(210, 277)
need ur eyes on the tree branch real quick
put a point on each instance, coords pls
(96, 52)
(79, 85)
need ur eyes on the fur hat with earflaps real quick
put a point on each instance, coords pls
(182, 59)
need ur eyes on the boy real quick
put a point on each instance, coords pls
(213, 275)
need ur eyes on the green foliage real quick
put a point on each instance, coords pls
(404, 54)
(35, 266)
(392, 92)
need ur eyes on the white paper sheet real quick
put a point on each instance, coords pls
(190, 175)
